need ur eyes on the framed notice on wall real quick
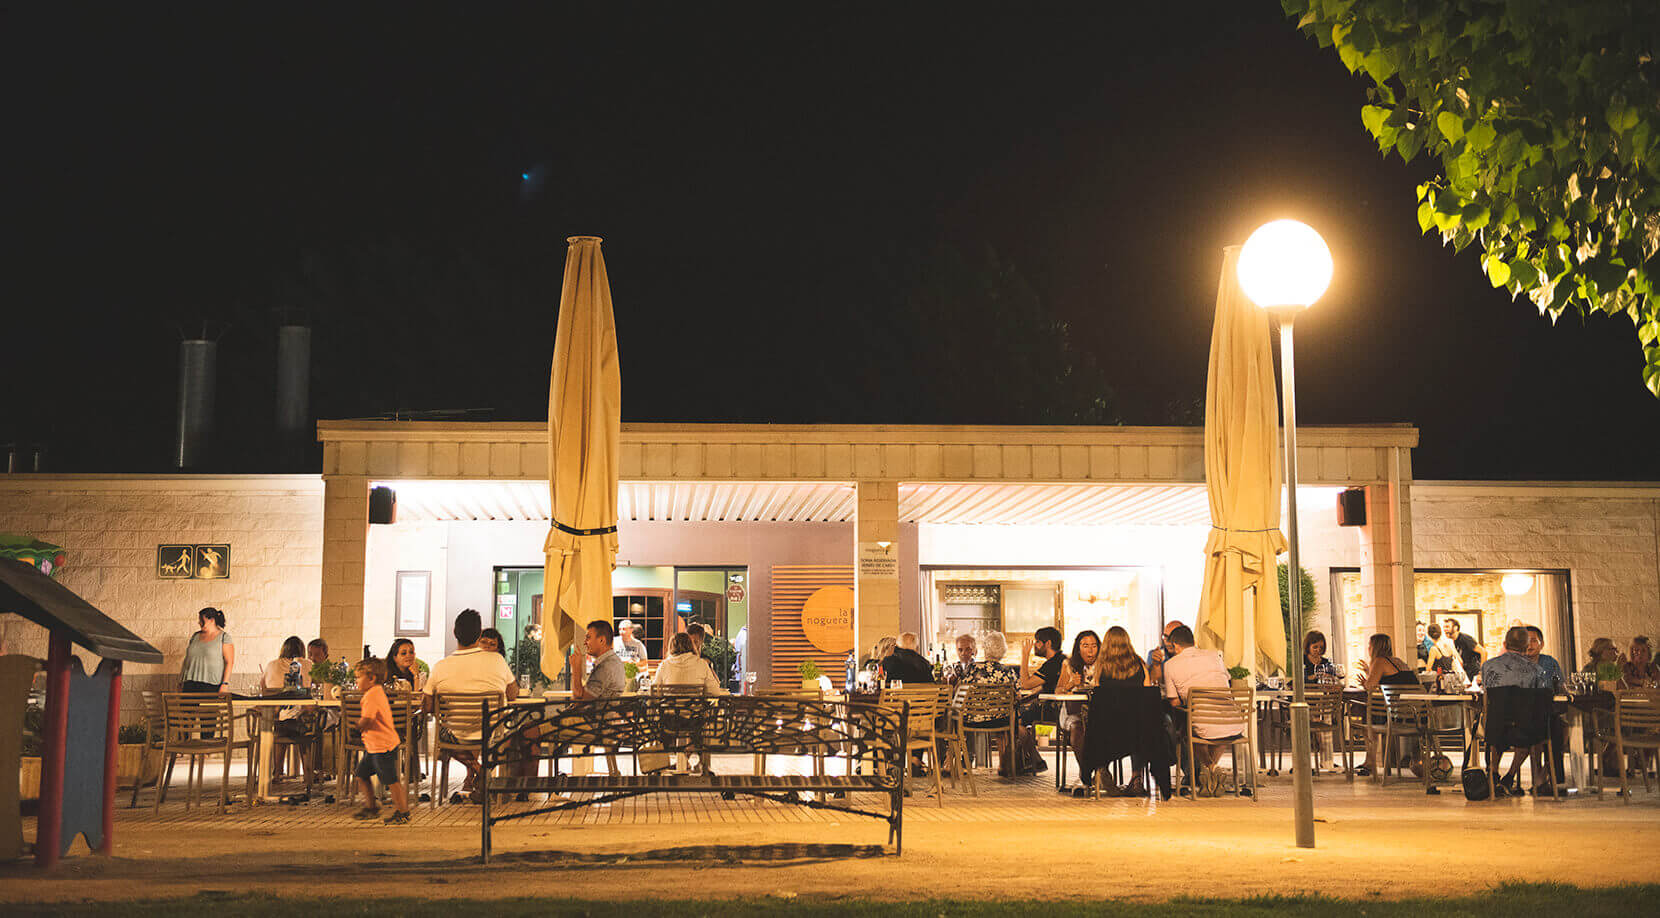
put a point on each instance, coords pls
(414, 604)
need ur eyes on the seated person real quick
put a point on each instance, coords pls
(606, 677)
(967, 651)
(991, 670)
(1187, 667)
(470, 670)
(1383, 668)
(906, 665)
(1640, 670)
(1512, 668)
(1316, 668)
(685, 667)
(291, 672)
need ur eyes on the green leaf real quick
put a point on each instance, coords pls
(1498, 273)
(1510, 149)
(1372, 116)
(1558, 229)
(1523, 274)
(1452, 126)
(1474, 216)
(1620, 116)
(1426, 216)
(1480, 137)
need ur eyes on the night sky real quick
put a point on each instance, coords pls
(769, 181)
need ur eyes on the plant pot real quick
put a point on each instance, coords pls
(28, 778)
(1608, 685)
(809, 685)
(1239, 683)
(332, 692)
(127, 764)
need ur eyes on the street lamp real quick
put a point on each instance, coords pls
(1284, 267)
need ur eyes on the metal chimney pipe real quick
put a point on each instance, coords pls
(293, 381)
(198, 363)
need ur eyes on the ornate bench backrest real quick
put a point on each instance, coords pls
(716, 724)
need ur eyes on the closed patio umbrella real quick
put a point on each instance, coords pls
(584, 426)
(1242, 475)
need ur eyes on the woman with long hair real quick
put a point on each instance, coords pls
(1383, 668)
(1125, 719)
(1078, 675)
(209, 656)
(401, 666)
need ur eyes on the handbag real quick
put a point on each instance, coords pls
(1475, 784)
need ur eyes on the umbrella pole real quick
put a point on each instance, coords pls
(1302, 780)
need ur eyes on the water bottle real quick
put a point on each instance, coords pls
(852, 670)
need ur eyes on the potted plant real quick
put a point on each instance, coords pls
(631, 672)
(810, 674)
(1240, 676)
(332, 674)
(129, 762)
(1608, 677)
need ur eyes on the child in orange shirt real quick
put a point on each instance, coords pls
(380, 740)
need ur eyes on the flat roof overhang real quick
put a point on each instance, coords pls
(517, 451)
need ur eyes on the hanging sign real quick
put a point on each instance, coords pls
(735, 592)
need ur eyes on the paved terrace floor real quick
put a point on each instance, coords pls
(1017, 839)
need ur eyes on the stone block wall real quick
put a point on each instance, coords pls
(1607, 538)
(110, 527)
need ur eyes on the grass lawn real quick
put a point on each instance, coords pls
(1507, 901)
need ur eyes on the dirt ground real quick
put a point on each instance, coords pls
(1392, 843)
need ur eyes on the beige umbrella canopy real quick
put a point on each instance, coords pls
(1242, 474)
(584, 426)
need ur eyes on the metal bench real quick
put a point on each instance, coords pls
(655, 729)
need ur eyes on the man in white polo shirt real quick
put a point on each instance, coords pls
(470, 670)
(1186, 668)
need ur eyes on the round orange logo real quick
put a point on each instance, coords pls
(827, 619)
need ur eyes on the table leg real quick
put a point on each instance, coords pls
(266, 745)
(1579, 761)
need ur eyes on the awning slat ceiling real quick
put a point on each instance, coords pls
(821, 502)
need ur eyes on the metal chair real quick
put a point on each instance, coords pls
(1228, 709)
(458, 721)
(199, 726)
(986, 710)
(1493, 737)
(917, 708)
(1325, 716)
(155, 730)
(1636, 727)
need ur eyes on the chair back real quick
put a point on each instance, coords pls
(1399, 709)
(1637, 713)
(351, 711)
(680, 690)
(981, 703)
(155, 719)
(1325, 702)
(1515, 717)
(919, 716)
(1219, 707)
(197, 719)
(462, 714)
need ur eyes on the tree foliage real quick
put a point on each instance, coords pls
(1545, 117)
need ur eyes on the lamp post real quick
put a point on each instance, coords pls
(1284, 267)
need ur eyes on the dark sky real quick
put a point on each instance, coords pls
(747, 166)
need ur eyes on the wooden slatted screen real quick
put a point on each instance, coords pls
(791, 585)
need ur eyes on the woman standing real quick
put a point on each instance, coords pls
(209, 657)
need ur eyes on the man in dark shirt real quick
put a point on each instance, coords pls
(905, 664)
(1046, 644)
(1470, 652)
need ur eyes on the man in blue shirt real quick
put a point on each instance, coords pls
(1553, 674)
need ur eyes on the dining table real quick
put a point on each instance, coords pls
(268, 706)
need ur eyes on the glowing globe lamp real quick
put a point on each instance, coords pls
(1284, 265)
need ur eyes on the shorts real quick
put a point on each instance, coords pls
(384, 764)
